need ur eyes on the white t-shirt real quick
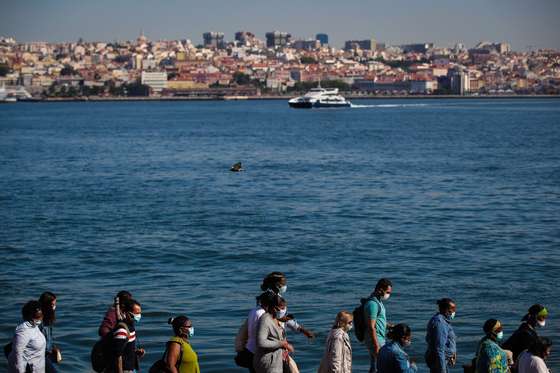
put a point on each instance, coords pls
(252, 324)
(529, 363)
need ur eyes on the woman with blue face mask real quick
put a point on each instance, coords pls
(490, 357)
(392, 358)
(125, 355)
(180, 356)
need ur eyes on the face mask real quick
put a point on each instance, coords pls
(137, 317)
(500, 335)
(452, 316)
(37, 322)
(54, 307)
(283, 289)
(348, 327)
(190, 331)
(386, 296)
(281, 313)
(541, 324)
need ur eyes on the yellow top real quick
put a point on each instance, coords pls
(189, 360)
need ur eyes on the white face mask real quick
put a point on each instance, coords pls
(54, 307)
(283, 289)
(386, 296)
(348, 327)
(452, 316)
(281, 313)
(500, 335)
(541, 324)
(37, 322)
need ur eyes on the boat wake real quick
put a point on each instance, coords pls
(387, 105)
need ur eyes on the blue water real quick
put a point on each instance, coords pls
(445, 197)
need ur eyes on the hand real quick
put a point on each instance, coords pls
(309, 334)
(452, 360)
(140, 352)
(287, 346)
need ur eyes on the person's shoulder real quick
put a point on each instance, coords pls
(24, 326)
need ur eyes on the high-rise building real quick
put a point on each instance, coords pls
(367, 44)
(323, 38)
(307, 44)
(245, 38)
(213, 40)
(460, 82)
(277, 39)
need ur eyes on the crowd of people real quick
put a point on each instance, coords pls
(262, 346)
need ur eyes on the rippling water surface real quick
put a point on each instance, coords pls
(447, 198)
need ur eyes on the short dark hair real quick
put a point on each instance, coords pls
(124, 295)
(445, 303)
(272, 281)
(177, 323)
(540, 346)
(489, 325)
(399, 331)
(29, 310)
(383, 284)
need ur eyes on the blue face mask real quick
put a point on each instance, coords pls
(190, 331)
(283, 289)
(137, 317)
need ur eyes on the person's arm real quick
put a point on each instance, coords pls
(441, 334)
(242, 337)
(173, 352)
(265, 323)
(20, 341)
(108, 323)
(292, 324)
(119, 341)
(373, 310)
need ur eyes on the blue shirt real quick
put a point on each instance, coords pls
(440, 338)
(375, 310)
(393, 359)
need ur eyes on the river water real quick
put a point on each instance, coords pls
(457, 198)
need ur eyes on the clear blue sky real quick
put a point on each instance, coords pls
(520, 22)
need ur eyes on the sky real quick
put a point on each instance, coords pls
(523, 23)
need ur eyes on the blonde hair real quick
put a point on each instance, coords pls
(342, 319)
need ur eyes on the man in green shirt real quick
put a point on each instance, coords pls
(376, 320)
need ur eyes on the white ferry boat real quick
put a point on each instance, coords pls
(318, 98)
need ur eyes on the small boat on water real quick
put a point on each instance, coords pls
(5, 97)
(319, 98)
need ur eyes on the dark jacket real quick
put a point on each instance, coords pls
(521, 340)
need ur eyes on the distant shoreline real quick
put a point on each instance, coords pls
(275, 97)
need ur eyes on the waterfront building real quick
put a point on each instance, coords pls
(245, 38)
(460, 82)
(323, 38)
(157, 81)
(213, 40)
(277, 39)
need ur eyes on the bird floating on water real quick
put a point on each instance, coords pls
(236, 167)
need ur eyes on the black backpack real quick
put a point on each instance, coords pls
(359, 314)
(101, 352)
(160, 366)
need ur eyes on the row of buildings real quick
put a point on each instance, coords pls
(279, 64)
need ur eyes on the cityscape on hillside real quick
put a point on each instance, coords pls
(276, 66)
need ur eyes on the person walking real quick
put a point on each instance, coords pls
(278, 283)
(271, 344)
(338, 350)
(124, 353)
(48, 307)
(392, 358)
(526, 335)
(490, 357)
(533, 359)
(180, 356)
(440, 337)
(28, 343)
(376, 320)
